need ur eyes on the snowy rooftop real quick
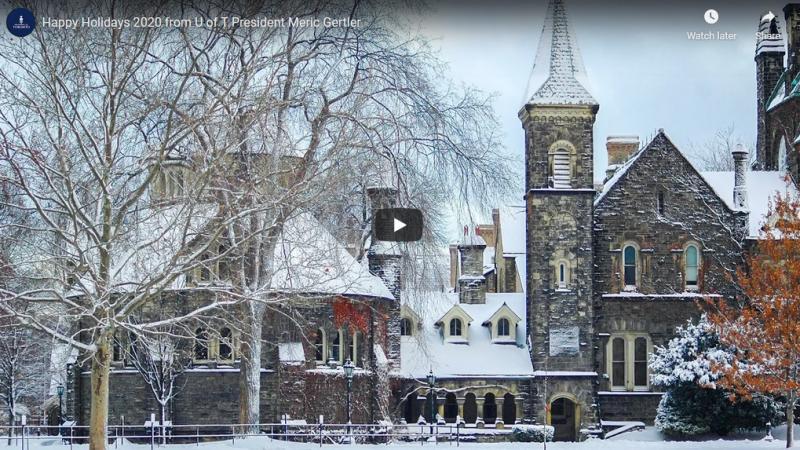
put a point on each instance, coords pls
(559, 77)
(426, 350)
(310, 259)
(761, 188)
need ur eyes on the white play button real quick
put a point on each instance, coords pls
(398, 225)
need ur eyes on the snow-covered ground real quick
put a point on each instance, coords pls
(649, 439)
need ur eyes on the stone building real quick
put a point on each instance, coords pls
(555, 306)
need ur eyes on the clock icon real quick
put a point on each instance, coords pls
(711, 16)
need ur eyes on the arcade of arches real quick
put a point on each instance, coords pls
(490, 408)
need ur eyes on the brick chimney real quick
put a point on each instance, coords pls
(620, 148)
(471, 282)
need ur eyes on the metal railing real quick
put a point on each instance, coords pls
(156, 435)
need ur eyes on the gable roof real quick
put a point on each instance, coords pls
(503, 311)
(455, 310)
(558, 63)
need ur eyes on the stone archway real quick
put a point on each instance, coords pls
(564, 416)
(470, 408)
(489, 408)
(450, 408)
(509, 409)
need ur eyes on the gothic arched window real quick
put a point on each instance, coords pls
(336, 347)
(226, 344)
(319, 346)
(201, 344)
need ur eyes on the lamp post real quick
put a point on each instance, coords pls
(60, 392)
(348, 374)
(431, 384)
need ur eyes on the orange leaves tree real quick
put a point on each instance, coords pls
(764, 327)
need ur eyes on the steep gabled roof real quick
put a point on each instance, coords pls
(661, 139)
(558, 77)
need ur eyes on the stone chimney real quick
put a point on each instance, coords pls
(454, 272)
(384, 261)
(740, 157)
(471, 282)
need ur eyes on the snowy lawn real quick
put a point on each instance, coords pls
(649, 439)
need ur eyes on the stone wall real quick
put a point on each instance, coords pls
(769, 67)
(689, 211)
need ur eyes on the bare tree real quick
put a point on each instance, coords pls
(160, 358)
(271, 123)
(20, 351)
(714, 155)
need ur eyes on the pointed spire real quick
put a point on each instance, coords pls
(558, 76)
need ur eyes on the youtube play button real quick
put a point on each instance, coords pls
(398, 224)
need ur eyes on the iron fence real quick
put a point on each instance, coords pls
(157, 434)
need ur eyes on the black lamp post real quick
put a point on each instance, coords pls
(60, 392)
(348, 374)
(431, 384)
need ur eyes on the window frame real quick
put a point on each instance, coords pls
(685, 266)
(629, 362)
(460, 327)
(323, 341)
(508, 328)
(409, 328)
(333, 343)
(636, 266)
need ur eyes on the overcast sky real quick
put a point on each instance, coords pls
(643, 70)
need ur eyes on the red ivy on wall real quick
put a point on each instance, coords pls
(345, 311)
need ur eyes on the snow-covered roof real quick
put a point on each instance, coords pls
(309, 259)
(558, 77)
(618, 174)
(769, 37)
(512, 230)
(426, 350)
(761, 188)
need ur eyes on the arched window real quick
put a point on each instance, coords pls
(336, 347)
(405, 327)
(470, 408)
(117, 355)
(629, 266)
(455, 327)
(503, 327)
(691, 262)
(319, 346)
(201, 344)
(618, 363)
(561, 172)
(640, 362)
(226, 344)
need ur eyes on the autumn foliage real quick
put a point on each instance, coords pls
(348, 312)
(764, 327)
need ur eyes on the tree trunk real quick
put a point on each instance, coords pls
(98, 421)
(250, 377)
(10, 422)
(790, 419)
(163, 420)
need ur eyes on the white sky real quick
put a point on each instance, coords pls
(643, 70)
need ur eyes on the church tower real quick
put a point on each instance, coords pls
(558, 119)
(769, 67)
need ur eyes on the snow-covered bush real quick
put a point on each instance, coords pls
(531, 433)
(692, 403)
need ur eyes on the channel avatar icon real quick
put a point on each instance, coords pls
(20, 22)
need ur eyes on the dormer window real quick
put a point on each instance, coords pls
(503, 325)
(406, 327)
(455, 327)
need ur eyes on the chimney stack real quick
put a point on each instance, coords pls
(740, 157)
(620, 148)
(471, 283)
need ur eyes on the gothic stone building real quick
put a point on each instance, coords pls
(607, 273)
(555, 306)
